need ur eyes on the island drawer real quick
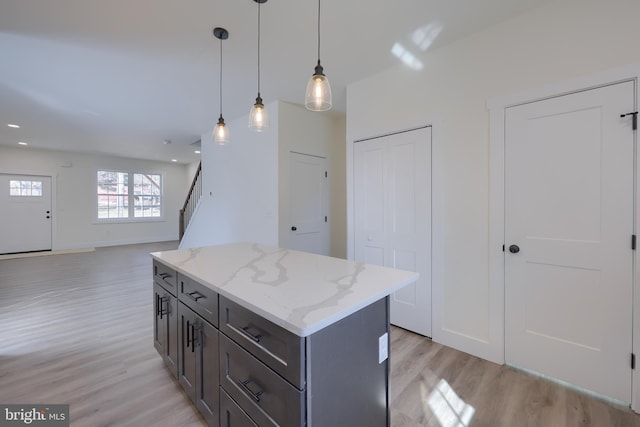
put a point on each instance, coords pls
(231, 415)
(281, 350)
(199, 298)
(165, 277)
(260, 392)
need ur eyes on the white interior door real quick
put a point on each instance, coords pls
(25, 203)
(569, 198)
(308, 199)
(392, 222)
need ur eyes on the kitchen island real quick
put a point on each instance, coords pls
(266, 336)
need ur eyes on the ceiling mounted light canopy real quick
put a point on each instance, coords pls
(318, 95)
(221, 132)
(258, 118)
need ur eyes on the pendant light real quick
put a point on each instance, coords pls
(258, 118)
(318, 96)
(221, 131)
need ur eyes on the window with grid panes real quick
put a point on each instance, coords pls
(128, 195)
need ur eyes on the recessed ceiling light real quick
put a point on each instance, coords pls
(197, 151)
(11, 125)
(22, 143)
(173, 160)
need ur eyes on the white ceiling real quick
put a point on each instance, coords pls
(122, 76)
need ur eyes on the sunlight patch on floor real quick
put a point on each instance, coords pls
(446, 405)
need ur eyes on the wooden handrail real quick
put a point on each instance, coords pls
(190, 204)
(193, 184)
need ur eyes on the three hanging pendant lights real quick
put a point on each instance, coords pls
(317, 96)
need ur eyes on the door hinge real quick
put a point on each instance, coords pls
(633, 361)
(634, 122)
(633, 242)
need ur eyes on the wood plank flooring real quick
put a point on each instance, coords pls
(77, 329)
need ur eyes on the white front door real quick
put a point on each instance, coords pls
(309, 229)
(25, 204)
(569, 197)
(392, 221)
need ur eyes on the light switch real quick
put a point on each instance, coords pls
(383, 347)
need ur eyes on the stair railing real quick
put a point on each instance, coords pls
(193, 197)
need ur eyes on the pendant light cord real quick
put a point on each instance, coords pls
(220, 77)
(318, 31)
(258, 49)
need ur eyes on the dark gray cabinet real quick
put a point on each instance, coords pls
(198, 362)
(198, 366)
(252, 372)
(231, 414)
(165, 326)
(338, 376)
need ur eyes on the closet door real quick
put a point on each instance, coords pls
(393, 217)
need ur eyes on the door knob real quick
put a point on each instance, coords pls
(514, 249)
(294, 228)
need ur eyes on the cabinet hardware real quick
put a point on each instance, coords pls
(195, 295)
(255, 395)
(164, 275)
(162, 301)
(193, 337)
(188, 330)
(255, 338)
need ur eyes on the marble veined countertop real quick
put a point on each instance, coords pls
(298, 291)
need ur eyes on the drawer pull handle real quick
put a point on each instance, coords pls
(195, 295)
(192, 338)
(255, 395)
(188, 330)
(161, 309)
(164, 275)
(255, 338)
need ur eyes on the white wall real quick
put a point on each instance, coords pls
(74, 204)
(562, 40)
(318, 134)
(240, 187)
(245, 184)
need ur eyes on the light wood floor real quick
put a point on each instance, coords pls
(77, 329)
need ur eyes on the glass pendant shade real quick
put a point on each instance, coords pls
(258, 117)
(318, 95)
(221, 132)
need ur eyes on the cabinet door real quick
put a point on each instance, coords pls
(187, 350)
(207, 396)
(171, 343)
(159, 323)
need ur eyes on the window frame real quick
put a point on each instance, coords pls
(131, 205)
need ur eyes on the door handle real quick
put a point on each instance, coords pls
(514, 249)
(294, 228)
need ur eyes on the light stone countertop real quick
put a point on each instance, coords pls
(299, 291)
